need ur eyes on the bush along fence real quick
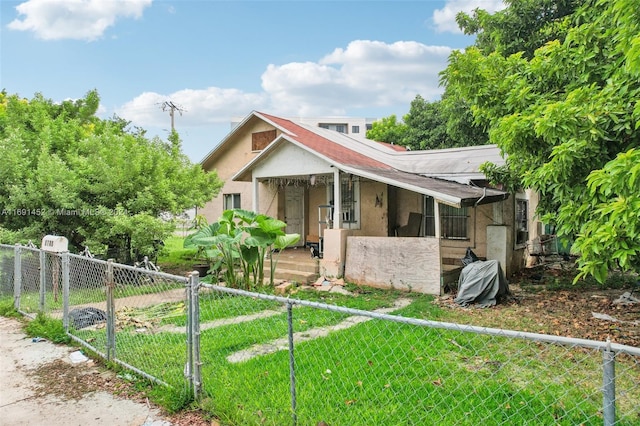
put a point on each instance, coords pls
(252, 358)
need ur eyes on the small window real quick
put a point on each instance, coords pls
(231, 201)
(369, 126)
(355, 129)
(350, 203)
(260, 140)
(522, 222)
(453, 220)
(340, 128)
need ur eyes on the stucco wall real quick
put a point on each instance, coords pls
(373, 218)
(228, 161)
(411, 264)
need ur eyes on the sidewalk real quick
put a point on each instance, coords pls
(24, 401)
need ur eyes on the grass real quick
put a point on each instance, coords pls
(174, 258)
(372, 373)
(48, 328)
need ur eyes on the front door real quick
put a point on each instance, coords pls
(294, 211)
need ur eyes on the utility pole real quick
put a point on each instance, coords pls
(169, 105)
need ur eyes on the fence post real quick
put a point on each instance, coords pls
(609, 386)
(195, 334)
(111, 314)
(17, 276)
(188, 371)
(64, 257)
(292, 371)
(43, 278)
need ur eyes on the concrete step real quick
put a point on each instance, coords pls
(295, 265)
(301, 277)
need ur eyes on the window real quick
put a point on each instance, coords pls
(350, 206)
(260, 140)
(453, 220)
(231, 201)
(429, 217)
(338, 127)
(522, 222)
(355, 129)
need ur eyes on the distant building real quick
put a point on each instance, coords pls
(355, 127)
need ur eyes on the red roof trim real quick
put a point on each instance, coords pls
(324, 146)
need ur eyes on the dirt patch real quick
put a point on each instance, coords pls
(73, 382)
(544, 301)
(68, 381)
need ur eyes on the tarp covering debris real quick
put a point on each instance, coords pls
(481, 283)
(86, 317)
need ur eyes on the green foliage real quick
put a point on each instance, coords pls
(173, 258)
(9, 237)
(237, 244)
(430, 125)
(564, 109)
(67, 172)
(387, 129)
(7, 308)
(611, 238)
(523, 26)
(48, 328)
(441, 124)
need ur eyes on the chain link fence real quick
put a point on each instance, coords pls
(252, 358)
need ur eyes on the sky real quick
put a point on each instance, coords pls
(217, 61)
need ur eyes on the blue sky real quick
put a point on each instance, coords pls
(219, 60)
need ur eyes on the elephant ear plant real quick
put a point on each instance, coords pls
(238, 244)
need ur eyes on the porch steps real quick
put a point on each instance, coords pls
(295, 265)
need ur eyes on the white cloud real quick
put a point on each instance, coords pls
(197, 107)
(365, 74)
(74, 19)
(445, 19)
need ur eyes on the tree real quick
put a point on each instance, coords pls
(430, 125)
(387, 129)
(523, 26)
(447, 123)
(67, 172)
(426, 126)
(567, 117)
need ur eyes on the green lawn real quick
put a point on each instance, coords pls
(376, 372)
(174, 258)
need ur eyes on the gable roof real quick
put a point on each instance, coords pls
(448, 175)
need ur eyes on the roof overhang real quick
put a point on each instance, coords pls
(443, 190)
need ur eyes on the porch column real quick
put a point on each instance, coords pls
(254, 194)
(337, 198)
(436, 215)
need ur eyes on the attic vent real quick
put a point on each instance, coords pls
(260, 140)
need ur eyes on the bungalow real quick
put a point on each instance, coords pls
(379, 215)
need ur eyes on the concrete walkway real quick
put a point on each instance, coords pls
(23, 403)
